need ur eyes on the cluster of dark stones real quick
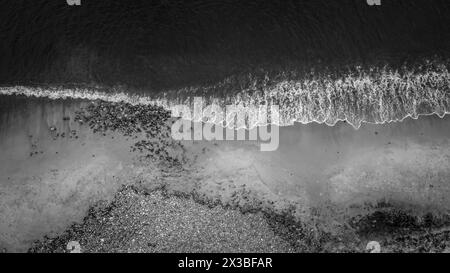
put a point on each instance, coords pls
(126, 118)
(73, 134)
(149, 125)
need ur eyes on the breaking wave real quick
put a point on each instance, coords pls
(375, 95)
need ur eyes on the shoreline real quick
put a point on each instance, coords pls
(309, 193)
(105, 223)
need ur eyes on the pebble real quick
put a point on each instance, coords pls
(373, 247)
(73, 247)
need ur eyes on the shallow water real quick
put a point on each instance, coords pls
(48, 180)
(402, 162)
(51, 168)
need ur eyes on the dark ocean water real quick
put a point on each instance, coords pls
(159, 45)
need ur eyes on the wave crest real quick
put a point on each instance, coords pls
(378, 95)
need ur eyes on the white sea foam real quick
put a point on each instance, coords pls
(382, 97)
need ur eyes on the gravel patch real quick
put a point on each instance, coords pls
(155, 222)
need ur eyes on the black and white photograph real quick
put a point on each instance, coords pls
(257, 128)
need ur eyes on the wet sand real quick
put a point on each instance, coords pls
(323, 176)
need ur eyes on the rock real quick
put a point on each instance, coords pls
(73, 247)
(373, 247)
